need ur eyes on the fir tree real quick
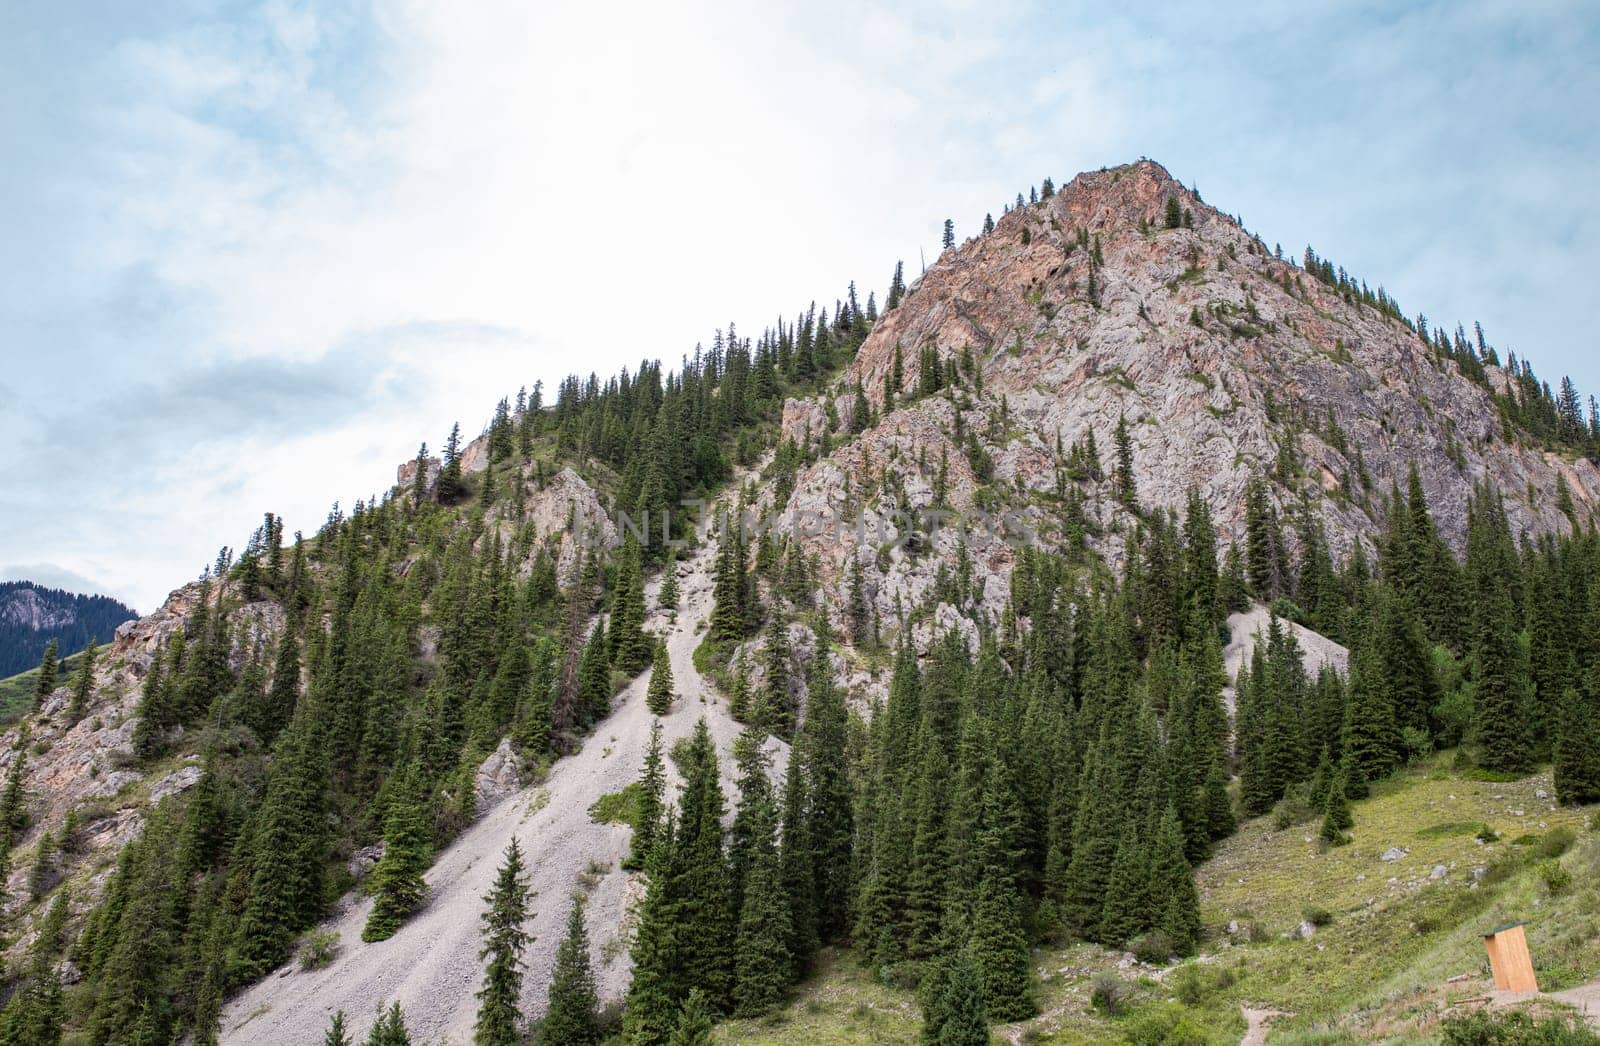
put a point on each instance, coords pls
(82, 684)
(763, 964)
(1127, 490)
(1172, 888)
(572, 1018)
(503, 941)
(390, 1029)
(1577, 748)
(1174, 213)
(397, 885)
(659, 696)
(1336, 818)
(648, 807)
(953, 1011)
(45, 685)
(667, 596)
(694, 1022)
(336, 1036)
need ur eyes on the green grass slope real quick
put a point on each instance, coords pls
(1398, 949)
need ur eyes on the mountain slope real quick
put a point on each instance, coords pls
(431, 966)
(1226, 362)
(32, 615)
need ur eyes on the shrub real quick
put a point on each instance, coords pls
(1487, 834)
(1109, 993)
(1295, 807)
(1316, 916)
(902, 975)
(1194, 982)
(1164, 1025)
(1556, 879)
(1555, 843)
(318, 948)
(1515, 1028)
(1154, 948)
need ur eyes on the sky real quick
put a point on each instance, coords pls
(251, 254)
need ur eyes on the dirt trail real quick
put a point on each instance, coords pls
(432, 966)
(1256, 1022)
(1585, 998)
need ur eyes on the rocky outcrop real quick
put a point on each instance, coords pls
(87, 767)
(1084, 309)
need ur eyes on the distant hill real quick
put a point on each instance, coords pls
(32, 615)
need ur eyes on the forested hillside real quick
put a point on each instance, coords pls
(960, 740)
(33, 617)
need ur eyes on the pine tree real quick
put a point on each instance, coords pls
(650, 1013)
(1336, 818)
(1174, 214)
(694, 1022)
(42, 874)
(398, 888)
(953, 1011)
(572, 1018)
(48, 667)
(949, 234)
(763, 964)
(390, 1029)
(82, 684)
(1577, 747)
(659, 696)
(450, 485)
(648, 808)
(337, 1036)
(859, 612)
(667, 596)
(779, 712)
(36, 1012)
(503, 941)
(1127, 490)
(830, 828)
(1172, 888)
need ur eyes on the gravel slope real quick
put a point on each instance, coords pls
(432, 965)
(1249, 627)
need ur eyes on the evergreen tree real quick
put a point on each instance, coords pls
(451, 485)
(1172, 888)
(763, 964)
(503, 941)
(1127, 490)
(390, 1029)
(648, 808)
(659, 696)
(397, 885)
(949, 234)
(694, 1022)
(667, 596)
(45, 685)
(36, 1013)
(1336, 818)
(337, 1036)
(82, 684)
(953, 1012)
(1577, 748)
(572, 1018)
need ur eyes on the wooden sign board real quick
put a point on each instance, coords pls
(1509, 959)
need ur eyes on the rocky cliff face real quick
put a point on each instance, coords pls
(1084, 308)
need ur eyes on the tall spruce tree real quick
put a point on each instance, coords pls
(504, 939)
(659, 695)
(45, 684)
(397, 885)
(572, 1018)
